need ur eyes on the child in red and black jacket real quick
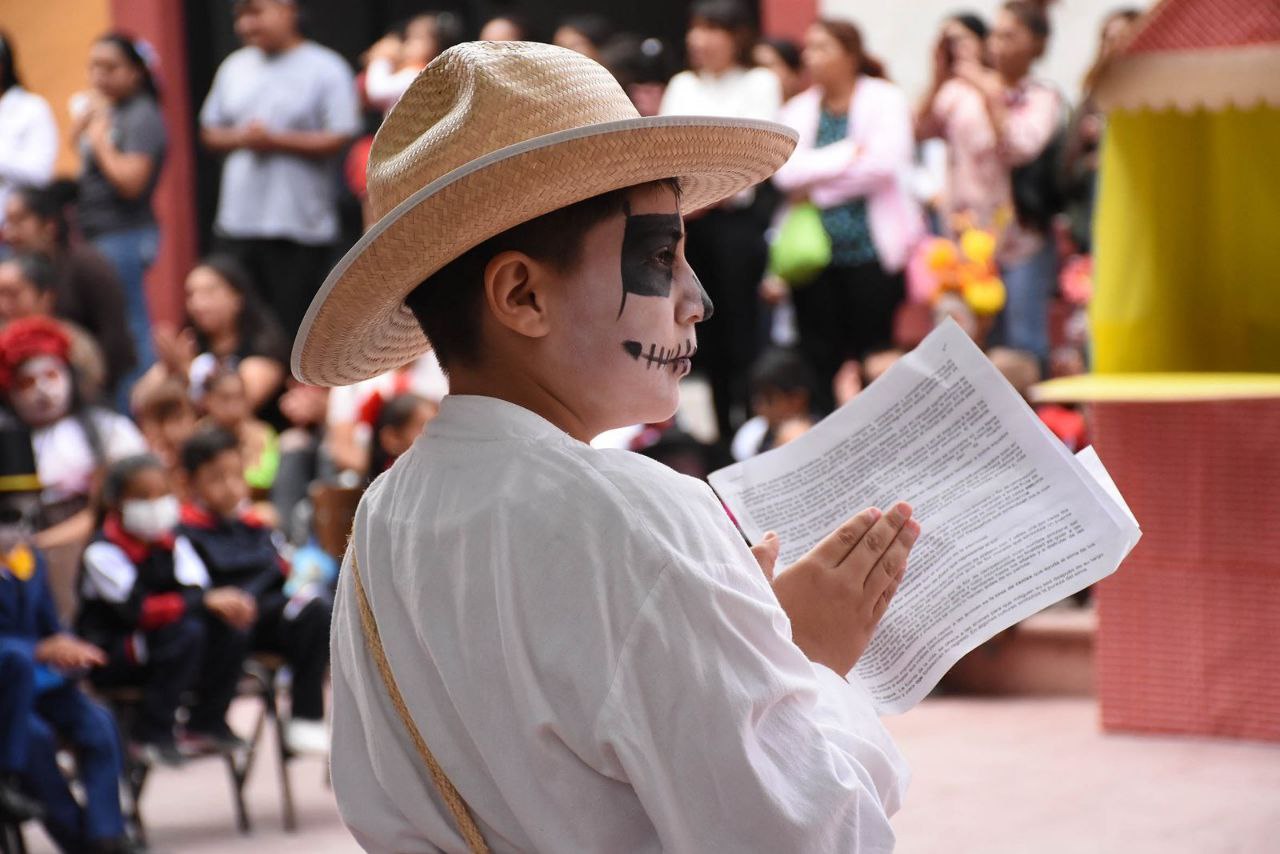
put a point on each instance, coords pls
(147, 600)
(240, 551)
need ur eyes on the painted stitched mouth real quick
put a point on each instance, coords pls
(660, 357)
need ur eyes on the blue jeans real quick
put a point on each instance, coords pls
(32, 723)
(132, 252)
(1024, 323)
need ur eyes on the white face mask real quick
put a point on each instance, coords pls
(150, 520)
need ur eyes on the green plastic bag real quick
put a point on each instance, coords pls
(802, 248)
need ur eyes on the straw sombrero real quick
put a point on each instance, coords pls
(490, 135)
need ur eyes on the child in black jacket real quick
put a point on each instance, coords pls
(148, 601)
(239, 550)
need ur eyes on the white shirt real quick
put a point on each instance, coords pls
(740, 93)
(277, 194)
(592, 654)
(65, 461)
(28, 142)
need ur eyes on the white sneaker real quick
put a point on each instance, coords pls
(304, 736)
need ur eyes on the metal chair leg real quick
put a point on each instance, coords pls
(283, 757)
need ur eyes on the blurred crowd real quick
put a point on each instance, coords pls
(161, 484)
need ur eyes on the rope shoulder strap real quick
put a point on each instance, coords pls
(457, 806)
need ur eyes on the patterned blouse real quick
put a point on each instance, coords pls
(847, 223)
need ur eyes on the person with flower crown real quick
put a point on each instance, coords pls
(538, 645)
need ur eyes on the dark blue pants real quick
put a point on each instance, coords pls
(64, 714)
(172, 662)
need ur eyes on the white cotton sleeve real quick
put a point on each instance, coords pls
(732, 740)
(188, 568)
(109, 575)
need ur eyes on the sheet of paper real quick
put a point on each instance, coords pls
(1011, 521)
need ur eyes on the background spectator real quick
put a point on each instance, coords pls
(27, 290)
(122, 140)
(239, 552)
(28, 135)
(395, 59)
(87, 291)
(999, 124)
(227, 327)
(399, 421)
(166, 418)
(1084, 135)
(853, 163)
(782, 388)
(588, 34)
(147, 600)
(507, 27)
(226, 407)
(725, 245)
(782, 57)
(281, 108)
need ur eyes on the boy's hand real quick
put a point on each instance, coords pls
(67, 652)
(766, 554)
(232, 605)
(837, 593)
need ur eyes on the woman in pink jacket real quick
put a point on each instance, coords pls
(852, 162)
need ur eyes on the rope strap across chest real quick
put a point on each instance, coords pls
(453, 800)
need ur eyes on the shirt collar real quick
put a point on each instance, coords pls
(472, 417)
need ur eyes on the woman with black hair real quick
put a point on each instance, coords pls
(28, 135)
(122, 141)
(782, 57)
(86, 289)
(725, 245)
(227, 327)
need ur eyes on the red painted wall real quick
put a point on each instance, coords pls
(160, 23)
(787, 19)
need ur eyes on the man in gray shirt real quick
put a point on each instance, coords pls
(281, 108)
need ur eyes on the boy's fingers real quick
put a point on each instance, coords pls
(766, 554)
(882, 604)
(894, 560)
(840, 543)
(877, 541)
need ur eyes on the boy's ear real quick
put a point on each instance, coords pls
(513, 289)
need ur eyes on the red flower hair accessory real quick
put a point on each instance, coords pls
(27, 338)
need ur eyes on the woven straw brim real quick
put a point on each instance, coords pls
(358, 326)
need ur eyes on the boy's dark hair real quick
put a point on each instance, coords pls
(204, 447)
(218, 375)
(1030, 15)
(36, 269)
(781, 369)
(448, 303)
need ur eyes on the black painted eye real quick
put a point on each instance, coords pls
(666, 258)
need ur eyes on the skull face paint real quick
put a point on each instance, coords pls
(41, 392)
(649, 245)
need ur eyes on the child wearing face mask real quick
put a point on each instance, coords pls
(41, 705)
(147, 600)
(240, 551)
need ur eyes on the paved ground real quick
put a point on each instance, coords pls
(991, 776)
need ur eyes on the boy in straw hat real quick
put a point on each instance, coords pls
(539, 646)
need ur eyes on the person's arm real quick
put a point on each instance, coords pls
(222, 140)
(262, 379)
(1024, 132)
(74, 529)
(30, 162)
(731, 739)
(883, 155)
(129, 172)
